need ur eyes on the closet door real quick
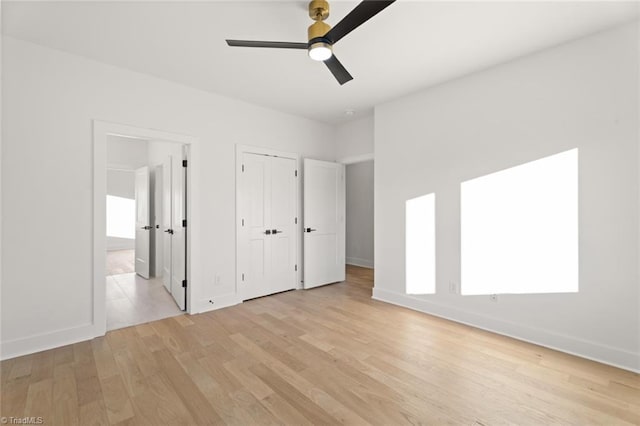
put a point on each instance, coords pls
(283, 212)
(266, 241)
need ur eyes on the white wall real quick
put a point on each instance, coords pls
(583, 94)
(359, 205)
(49, 101)
(126, 153)
(354, 139)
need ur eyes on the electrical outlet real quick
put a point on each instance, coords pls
(493, 297)
(453, 287)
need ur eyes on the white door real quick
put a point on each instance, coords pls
(178, 236)
(166, 223)
(266, 239)
(158, 223)
(283, 224)
(143, 220)
(324, 223)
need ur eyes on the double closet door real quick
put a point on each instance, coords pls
(268, 223)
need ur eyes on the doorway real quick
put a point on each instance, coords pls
(146, 238)
(359, 211)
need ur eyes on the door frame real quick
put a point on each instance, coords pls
(246, 149)
(101, 131)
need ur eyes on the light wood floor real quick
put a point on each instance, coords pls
(326, 356)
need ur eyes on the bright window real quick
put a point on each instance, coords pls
(121, 217)
(421, 245)
(520, 228)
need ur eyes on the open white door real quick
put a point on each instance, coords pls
(324, 223)
(157, 222)
(143, 220)
(178, 236)
(166, 223)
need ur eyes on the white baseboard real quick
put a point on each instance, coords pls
(43, 342)
(365, 263)
(219, 302)
(594, 351)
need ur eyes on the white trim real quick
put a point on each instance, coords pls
(356, 159)
(101, 130)
(363, 263)
(594, 351)
(45, 341)
(240, 150)
(219, 302)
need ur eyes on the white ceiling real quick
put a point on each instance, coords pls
(409, 46)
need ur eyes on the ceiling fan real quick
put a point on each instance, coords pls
(322, 37)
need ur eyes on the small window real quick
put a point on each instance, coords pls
(121, 217)
(421, 245)
(519, 228)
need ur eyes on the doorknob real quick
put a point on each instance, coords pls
(170, 231)
(275, 231)
(268, 232)
(310, 230)
(146, 228)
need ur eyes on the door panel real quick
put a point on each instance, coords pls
(283, 211)
(256, 182)
(158, 223)
(167, 202)
(143, 222)
(178, 238)
(266, 241)
(324, 223)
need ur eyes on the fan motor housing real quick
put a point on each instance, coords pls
(317, 30)
(319, 10)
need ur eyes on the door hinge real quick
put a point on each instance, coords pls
(296, 173)
(184, 163)
(242, 222)
(242, 277)
(184, 283)
(296, 267)
(184, 223)
(243, 168)
(295, 221)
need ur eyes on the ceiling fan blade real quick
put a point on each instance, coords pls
(271, 44)
(358, 16)
(338, 70)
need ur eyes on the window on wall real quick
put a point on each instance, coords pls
(121, 217)
(421, 245)
(519, 228)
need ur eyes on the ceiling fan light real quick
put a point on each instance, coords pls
(320, 51)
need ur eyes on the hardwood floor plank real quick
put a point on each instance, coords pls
(330, 355)
(160, 404)
(65, 397)
(116, 399)
(93, 413)
(40, 399)
(192, 398)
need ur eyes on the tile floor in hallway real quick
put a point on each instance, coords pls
(132, 300)
(120, 261)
